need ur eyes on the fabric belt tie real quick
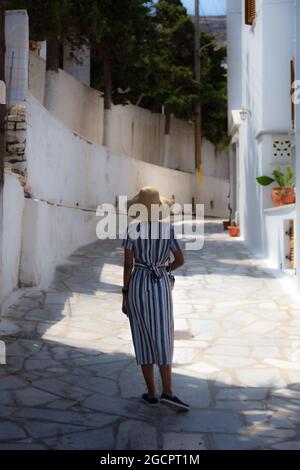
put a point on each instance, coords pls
(153, 269)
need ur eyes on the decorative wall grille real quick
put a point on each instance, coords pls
(282, 149)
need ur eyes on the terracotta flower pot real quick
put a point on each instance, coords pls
(288, 196)
(226, 224)
(283, 196)
(234, 231)
(276, 196)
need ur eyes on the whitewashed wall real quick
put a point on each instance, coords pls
(264, 92)
(182, 145)
(50, 234)
(215, 162)
(136, 132)
(37, 76)
(131, 130)
(139, 133)
(66, 168)
(234, 56)
(213, 193)
(77, 106)
(77, 62)
(13, 206)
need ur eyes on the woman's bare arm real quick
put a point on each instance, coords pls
(128, 265)
(178, 260)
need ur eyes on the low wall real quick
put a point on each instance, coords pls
(65, 168)
(182, 145)
(136, 132)
(215, 163)
(13, 206)
(213, 193)
(50, 234)
(131, 130)
(37, 77)
(78, 106)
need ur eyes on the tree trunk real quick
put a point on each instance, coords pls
(166, 156)
(52, 63)
(107, 82)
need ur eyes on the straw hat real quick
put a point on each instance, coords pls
(149, 196)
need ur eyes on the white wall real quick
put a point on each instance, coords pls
(139, 133)
(215, 162)
(37, 76)
(77, 106)
(63, 168)
(131, 130)
(265, 80)
(77, 62)
(234, 56)
(67, 169)
(136, 132)
(182, 145)
(277, 20)
(13, 206)
(50, 234)
(213, 193)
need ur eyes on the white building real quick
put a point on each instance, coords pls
(261, 61)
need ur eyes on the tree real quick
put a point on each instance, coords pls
(214, 93)
(49, 20)
(173, 67)
(117, 33)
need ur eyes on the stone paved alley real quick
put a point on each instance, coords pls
(71, 381)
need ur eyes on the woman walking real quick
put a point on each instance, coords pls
(147, 296)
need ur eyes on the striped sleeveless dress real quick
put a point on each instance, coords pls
(150, 306)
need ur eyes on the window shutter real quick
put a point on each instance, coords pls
(293, 78)
(250, 10)
(292, 245)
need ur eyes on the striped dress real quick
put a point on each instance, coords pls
(150, 307)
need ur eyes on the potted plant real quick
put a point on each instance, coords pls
(284, 193)
(226, 223)
(234, 229)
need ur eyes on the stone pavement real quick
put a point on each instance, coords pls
(71, 381)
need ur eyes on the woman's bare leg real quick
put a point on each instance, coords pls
(148, 374)
(166, 378)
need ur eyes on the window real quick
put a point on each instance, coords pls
(250, 10)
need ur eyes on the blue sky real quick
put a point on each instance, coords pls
(208, 7)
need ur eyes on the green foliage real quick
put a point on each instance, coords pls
(214, 92)
(283, 179)
(46, 17)
(147, 47)
(265, 180)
